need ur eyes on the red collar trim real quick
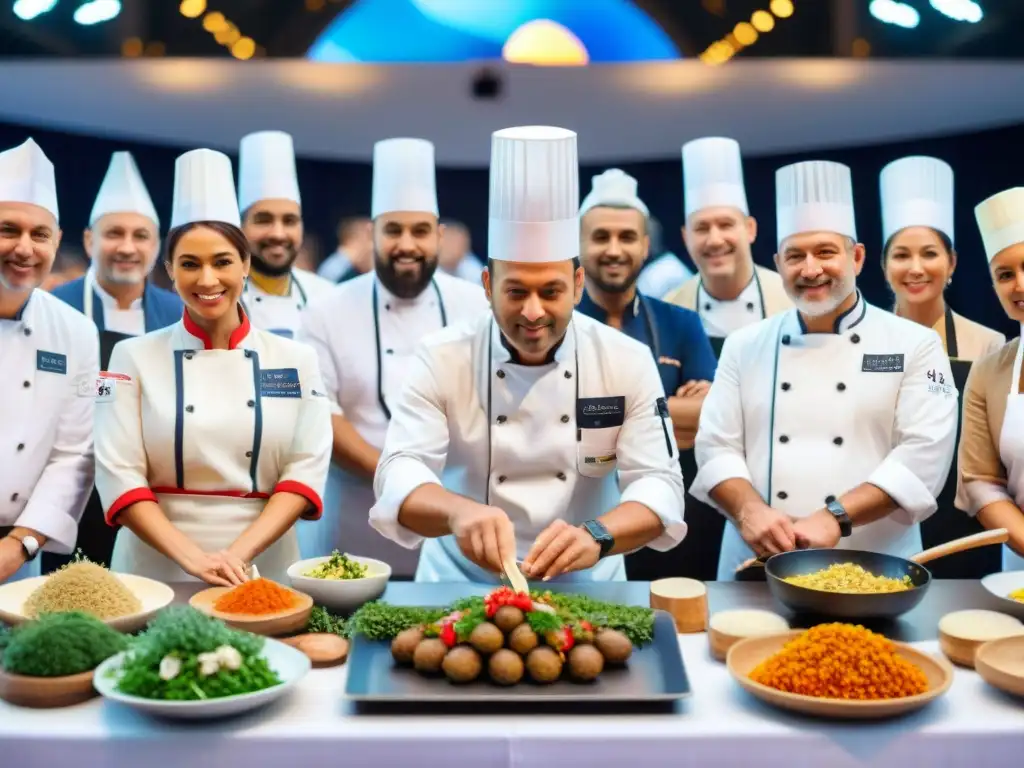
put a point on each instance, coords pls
(236, 336)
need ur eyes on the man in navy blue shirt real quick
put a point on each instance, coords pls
(613, 247)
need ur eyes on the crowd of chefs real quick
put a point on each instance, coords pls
(537, 409)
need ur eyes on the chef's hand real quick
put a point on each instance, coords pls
(485, 535)
(560, 548)
(767, 531)
(693, 389)
(12, 557)
(221, 569)
(817, 531)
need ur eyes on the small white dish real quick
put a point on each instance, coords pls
(341, 595)
(290, 664)
(1001, 585)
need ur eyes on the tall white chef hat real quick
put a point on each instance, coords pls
(613, 187)
(1001, 220)
(123, 191)
(204, 189)
(917, 192)
(713, 175)
(403, 177)
(535, 195)
(814, 196)
(26, 176)
(266, 169)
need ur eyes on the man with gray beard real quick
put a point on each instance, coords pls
(832, 424)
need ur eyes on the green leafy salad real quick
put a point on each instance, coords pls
(184, 655)
(59, 644)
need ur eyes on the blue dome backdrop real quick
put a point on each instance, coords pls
(448, 31)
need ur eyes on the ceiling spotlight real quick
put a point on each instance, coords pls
(893, 12)
(26, 10)
(959, 10)
(97, 11)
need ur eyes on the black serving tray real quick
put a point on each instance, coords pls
(654, 674)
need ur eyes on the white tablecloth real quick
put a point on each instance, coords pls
(973, 725)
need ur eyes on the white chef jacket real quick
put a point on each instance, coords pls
(210, 435)
(542, 442)
(340, 327)
(282, 314)
(806, 417)
(49, 359)
(130, 322)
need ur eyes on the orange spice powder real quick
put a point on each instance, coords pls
(255, 598)
(841, 661)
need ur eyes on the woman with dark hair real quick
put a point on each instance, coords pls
(919, 259)
(212, 437)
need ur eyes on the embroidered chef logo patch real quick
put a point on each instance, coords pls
(104, 388)
(51, 362)
(882, 364)
(600, 412)
(280, 382)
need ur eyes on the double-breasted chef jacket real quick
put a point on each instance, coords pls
(543, 443)
(210, 435)
(49, 355)
(806, 417)
(365, 355)
(991, 452)
(282, 315)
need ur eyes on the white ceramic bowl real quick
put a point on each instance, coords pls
(1001, 585)
(341, 595)
(290, 664)
(154, 596)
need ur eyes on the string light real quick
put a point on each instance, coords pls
(192, 9)
(223, 31)
(746, 34)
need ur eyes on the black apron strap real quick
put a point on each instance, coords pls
(717, 342)
(952, 350)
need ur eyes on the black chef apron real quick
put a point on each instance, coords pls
(948, 522)
(95, 537)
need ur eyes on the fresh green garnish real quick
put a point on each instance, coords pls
(470, 620)
(542, 623)
(380, 621)
(339, 567)
(59, 644)
(321, 620)
(635, 622)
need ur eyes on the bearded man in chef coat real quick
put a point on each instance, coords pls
(538, 407)
(277, 291)
(49, 354)
(833, 424)
(366, 330)
(730, 291)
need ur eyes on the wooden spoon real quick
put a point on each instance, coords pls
(322, 648)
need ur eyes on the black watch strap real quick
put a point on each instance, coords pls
(839, 513)
(601, 535)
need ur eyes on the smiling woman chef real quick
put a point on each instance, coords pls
(212, 437)
(833, 424)
(537, 405)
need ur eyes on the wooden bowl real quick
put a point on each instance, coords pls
(686, 600)
(46, 692)
(744, 657)
(962, 633)
(269, 624)
(721, 637)
(1000, 663)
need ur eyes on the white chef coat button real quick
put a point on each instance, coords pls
(500, 374)
(785, 386)
(750, 306)
(829, 499)
(568, 374)
(389, 351)
(707, 307)
(565, 418)
(841, 387)
(14, 497)
(387, 307)
(501, 478)
(26, 384)
(502, 419)
(21, 446)
(27, 331)
(248, 353)
(855, 339)
(838, 441)
(248, 454)
(188, 355)
(259, 298)
(783, 438)
(782, 495)
(251, 403)
(560, 475)
(785, 339)
(189, 409)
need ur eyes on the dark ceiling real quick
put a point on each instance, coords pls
(286, 28)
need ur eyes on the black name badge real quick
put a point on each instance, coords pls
(280, 382)
(882, 364)
(600, 412)
(51, 362)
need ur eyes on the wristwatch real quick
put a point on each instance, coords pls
(30, 544)
(601, 535)
(838, 511)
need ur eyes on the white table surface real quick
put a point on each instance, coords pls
(973, 725)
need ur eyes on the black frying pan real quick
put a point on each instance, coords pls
(862, 606)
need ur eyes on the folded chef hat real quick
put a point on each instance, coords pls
(535, 195)
(26, 176)
(713, 175)
(403, 177)
(266, 169)
(123, 191)
(814, 196)
(616, 188)
(204, 189)
(917, 192)
(1001, 220)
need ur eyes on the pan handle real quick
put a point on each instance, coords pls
(983, 539)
